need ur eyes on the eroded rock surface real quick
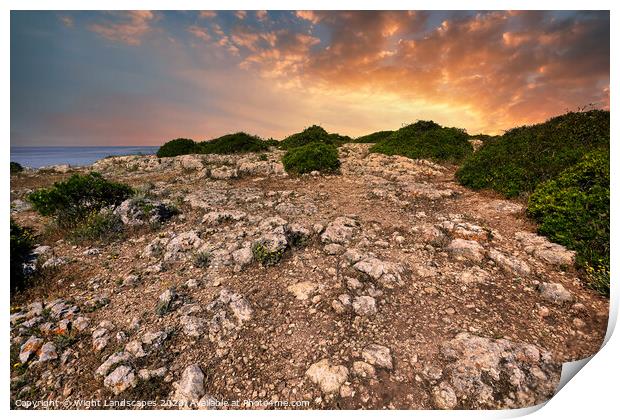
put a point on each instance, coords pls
(387, 285)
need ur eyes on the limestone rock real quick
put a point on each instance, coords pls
(328, 377)
(378, 355)
(122, 378)
(555, 293)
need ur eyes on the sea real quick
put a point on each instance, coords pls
(37, 157)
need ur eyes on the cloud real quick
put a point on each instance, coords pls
(207, 14)
(199, 32)
(128, 27)
(261, 15)
(508, 68)
(240, 14)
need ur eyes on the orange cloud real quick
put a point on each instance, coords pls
(129, 29)
(507, 68)
(207, 14)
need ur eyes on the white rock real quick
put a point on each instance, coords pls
(328, 377)
(378, 355)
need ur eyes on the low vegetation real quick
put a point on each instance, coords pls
(100, 226)
(16, 168)
(233, 143)
(178, 147)
(374, 137)
(21, 245)
(523, 157)
(311, 157)
(313, 134)
(73, 201)
(426, 140)
(573, 210)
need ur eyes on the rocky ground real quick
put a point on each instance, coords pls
(385, 286)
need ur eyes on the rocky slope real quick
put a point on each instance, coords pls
(386, 286)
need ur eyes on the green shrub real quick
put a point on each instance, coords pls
(16, 168)
(573, 210)
(72, 201)
(21, 245)
(311, 157)
(265, 256)
(233, 143)
(101, 226)
(523, 157)
(374, 137)
(202, 259)
(313, 134)
(178, 147)
(426, 140)
(272, 142)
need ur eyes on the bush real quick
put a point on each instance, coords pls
(311, 157)
(313, 134)
(265, 256)
(202, 259)
(233, 143)
(72, 201)
(21, 245)
(16, 168)
(178, 147)
(374, 137)
(523, 157)
(426, 140)
(573, 210)
(102, 226)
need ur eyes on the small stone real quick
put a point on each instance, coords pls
(302, 290)
(191, 386)
(363, 369)
(346, 391)
(444, 397)
(555, 293)
(47, 352)
(364, 305)
(378, 355)
(30, 347)
(120, 379)
(327, 376)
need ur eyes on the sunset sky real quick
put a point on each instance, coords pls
(142, 78)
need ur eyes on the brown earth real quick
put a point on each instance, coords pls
(399, 206)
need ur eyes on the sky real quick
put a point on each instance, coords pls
(145, 77)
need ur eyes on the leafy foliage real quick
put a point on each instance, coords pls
(426, 140)
(573, 210)
(178, 147)
(72, 201)
(523, 157)
(202, 259)
(374, 137)
(311, 157)
(16, 168)
(233, 143)
(101, 226)
(22, 243)
(266, 257)
(313, 134)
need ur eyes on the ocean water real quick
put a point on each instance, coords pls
(36, 157)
